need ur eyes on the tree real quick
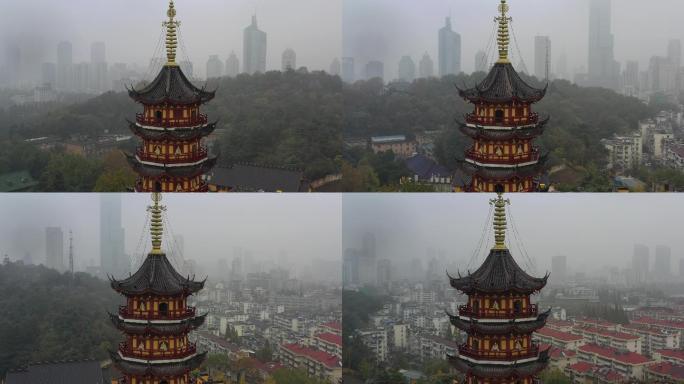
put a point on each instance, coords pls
(117, 175)
(294, 376)
(554, 376)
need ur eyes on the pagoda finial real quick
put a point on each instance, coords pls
(156, 227)
(499, 218)
(171, 39)
(503, 37)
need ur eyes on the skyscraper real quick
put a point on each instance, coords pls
(113, 260)
(214, 67)
(481, 61)
(335, 67)
(640, 263)
(232, 65)
(630, 78)
(350, 267)
(54, 248)
(449, 50)
(49, 74)
(559, 269)
(375, 69)
(289, 60)
(65, 63)
(348, 70)
(254, 49)
(602, 63)
(663, 262)
(542, 57)
(98, 67)
(384, 273)
(674, 52)
(426, 66)
(407, 69)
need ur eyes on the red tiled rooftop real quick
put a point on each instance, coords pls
(330, 338)
(324, 358)
(559, 323)
(596, 322)
(615, 335)
(661, 323)
(559, 335)
(557, 353)
(630, 358)
(672, 353)
(581, 367)
(674, 371)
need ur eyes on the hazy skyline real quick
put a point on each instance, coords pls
(592, 230)
(131, 29)
(389, 29)
(302, 227)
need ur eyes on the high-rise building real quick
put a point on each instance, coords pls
(674, 52)
(407, 69)
(49, 74)
(232, 65)
(640, 263)
(542, 57)
(559, 269)
(661, 74)
(348, 70)
(335, 67)
(375, 69)
(80, 81)
(351, 267)
(426, 66)
(214, 67)
(449, 50)
(602, 65)
(54, 248)
(254, 49)
(156, 319)
(663, 262)
(499, 317)
(368, 260)
(384, 273)
(289, 60)
(113, 259)
(177, 160)
(98, 67)
(481, 63)
(65, 64)
(630, 78)
(503, 127)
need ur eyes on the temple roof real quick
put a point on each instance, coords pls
(157, 329)
(168, 369)
(176, 133)
(171, 86)
(503, 84)
(499, 274)
(526, 132)
(500, 328)
(504, 173)
(501, 371)
(157, 276)
(183, 171)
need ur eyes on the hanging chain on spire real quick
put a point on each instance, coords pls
(171, 38)
(503, 37)
(499, 220)
(156, 226)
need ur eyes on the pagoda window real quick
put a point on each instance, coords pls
(142, 306)
(495, 346)
(517, 307)
(159, 115)
(163, 346)
(498, 150)
(499, 116)
(194, 115)
(157, 150)
(495, 305)
(521, 149)
(476, 306)
(164, 309)
(518, 345)
(179, 151)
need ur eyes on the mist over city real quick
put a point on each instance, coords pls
(299, 234)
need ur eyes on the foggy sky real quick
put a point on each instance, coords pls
(592, 230)
(301, 228)
(389, 29)
(131, 28)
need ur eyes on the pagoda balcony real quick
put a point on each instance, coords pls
(125, 313)
(481, 158)
(472, 118)
(169, 158)
(141, 119)
(128, 351)
(467, 311)
(529, 353)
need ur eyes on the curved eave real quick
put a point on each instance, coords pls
(166, 134)
(470, 286)
(157, 329)
(189, 289)
(527, 132)
(201, 98)
(514, 327)
(159, 171)
(475, 98)
(498, 371)
(499, 173)
(160, 370)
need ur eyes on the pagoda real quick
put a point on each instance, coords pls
(156, 319)
(503, 126)
(172, 157)
(499, 317)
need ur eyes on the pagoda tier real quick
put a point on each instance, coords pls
(499, 317)
(156, 319)
(172, 157)
(503, 127)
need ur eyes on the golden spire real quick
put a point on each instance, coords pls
(499, 220)
(156, 227)
(503, 37)
(171, 38)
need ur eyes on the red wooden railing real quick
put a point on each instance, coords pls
(156, 315)
(171, 158)
(505, 159)
(163, 123)
(467, 311)
(467, 351)
(128, 350)
(472, 118)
